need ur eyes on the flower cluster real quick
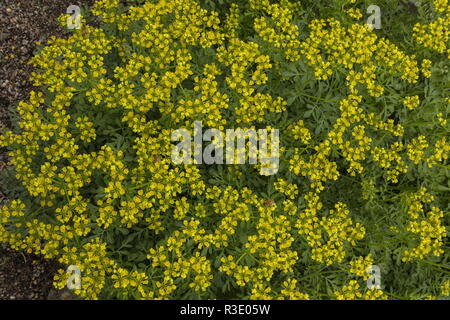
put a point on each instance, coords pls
(435, 34)
(427, 227)
(95, 186)
(361, 265)
(352, 291)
